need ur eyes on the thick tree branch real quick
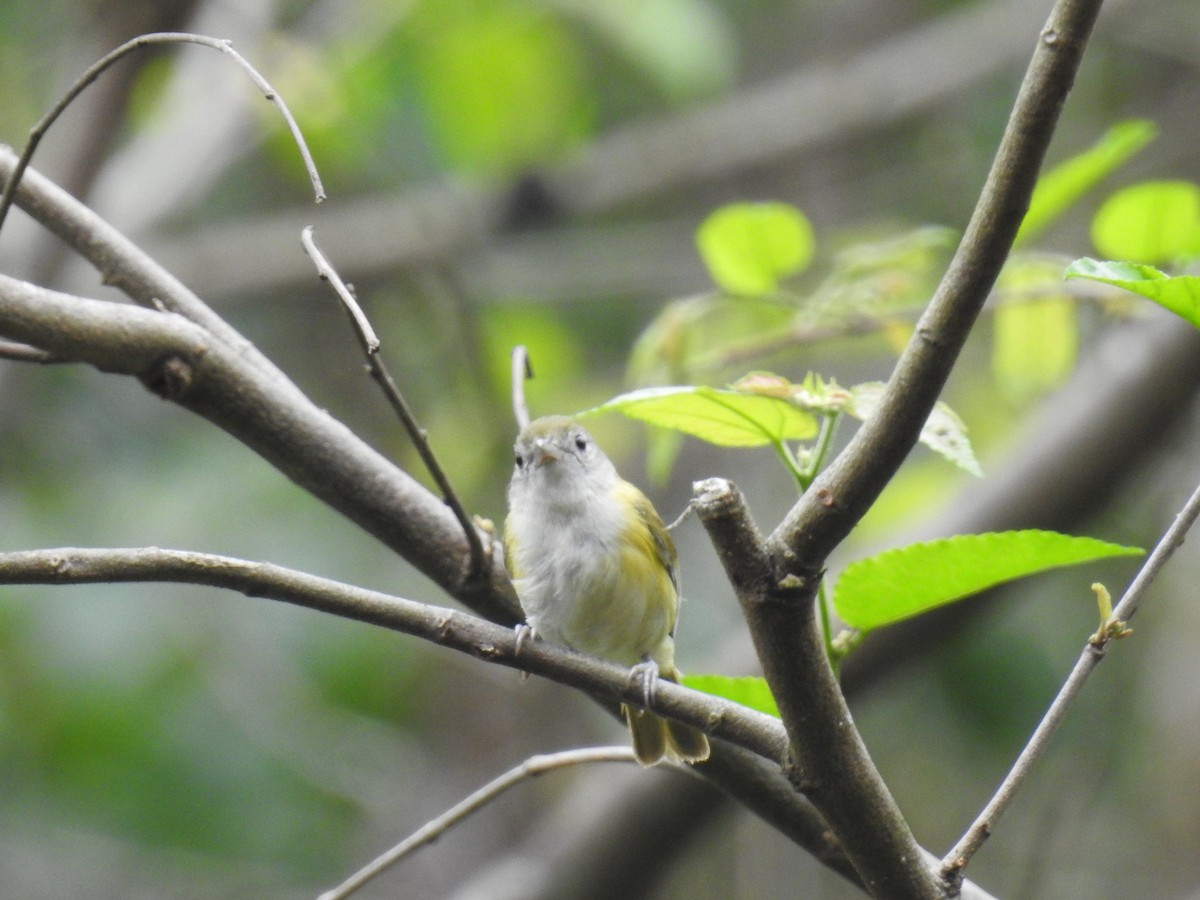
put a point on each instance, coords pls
(220, 375)
(114, 337)
(828, 761)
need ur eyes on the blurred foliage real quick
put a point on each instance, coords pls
(244, 749)
(494, 87)
(1154, 222)
(1036, 334)
(749, 247)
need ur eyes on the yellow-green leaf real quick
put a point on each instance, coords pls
(944, 432)
(723, 417)
(1036, 335)
(1035, 345)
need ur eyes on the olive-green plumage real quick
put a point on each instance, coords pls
(595, 567)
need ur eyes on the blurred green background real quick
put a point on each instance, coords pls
(533, 171)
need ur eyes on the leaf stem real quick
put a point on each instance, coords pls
(829, 426)
(801, 473)
(814, 458)
(826, 627)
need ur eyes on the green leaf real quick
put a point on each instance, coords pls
(722, 417)
(662, 449)
(749, 247)
(1153, 222)
(944, 432)
(874, 278)
(1180, 294)
(900, 583)
(1059, 188)
(748, 691)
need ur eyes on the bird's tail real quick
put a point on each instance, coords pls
(656, 739)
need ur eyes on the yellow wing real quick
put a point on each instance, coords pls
(657, 544)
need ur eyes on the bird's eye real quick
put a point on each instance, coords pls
(520, 461)
(580, 443)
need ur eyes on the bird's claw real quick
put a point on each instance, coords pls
(645, 674)
(524, 633)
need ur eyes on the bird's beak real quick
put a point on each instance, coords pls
(544, 454)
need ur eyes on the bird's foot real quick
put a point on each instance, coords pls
(645, 674)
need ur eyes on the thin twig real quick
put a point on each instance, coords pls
(522, 369)
(146, 40)
(682, 517)
(478, 567)
(431, 831)
(1092, 654)
(367, 338)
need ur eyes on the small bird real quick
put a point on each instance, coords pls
(596, 570)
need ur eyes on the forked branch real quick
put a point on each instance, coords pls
(830, 762)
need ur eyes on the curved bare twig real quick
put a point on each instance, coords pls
(432, 830)
(146, 40)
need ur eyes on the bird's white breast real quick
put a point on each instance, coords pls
(574, 585)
